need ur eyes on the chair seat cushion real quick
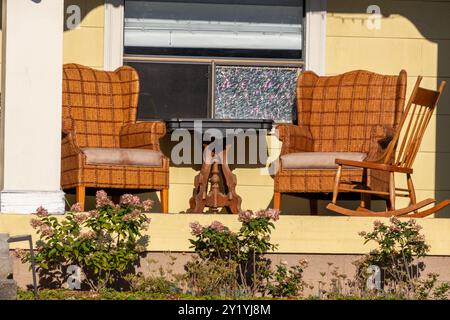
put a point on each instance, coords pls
(317, 160)
(123, 157)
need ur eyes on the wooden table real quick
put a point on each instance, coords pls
(207, 191)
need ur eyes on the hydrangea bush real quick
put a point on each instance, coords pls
(245, 248)
(104, 242)
(399, 246)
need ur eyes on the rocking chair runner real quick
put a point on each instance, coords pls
(419, 111)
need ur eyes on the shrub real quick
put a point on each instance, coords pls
(399, 246)
(104, 243)
(287, 282)
(216, 277)
(154, 284)
(243, 250)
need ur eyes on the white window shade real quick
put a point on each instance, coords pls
(213, 25)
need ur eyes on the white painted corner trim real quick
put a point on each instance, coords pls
(315, 35)
(113, 34)
(26, 202)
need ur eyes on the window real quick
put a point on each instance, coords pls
(225, 59)
(238, 28)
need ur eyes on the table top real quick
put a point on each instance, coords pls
(221, 124)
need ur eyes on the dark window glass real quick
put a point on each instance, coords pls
(170, 90)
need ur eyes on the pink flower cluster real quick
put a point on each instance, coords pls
(80, 217)
(76, 207)
(36, 223)
(272, 214)
(46, 230)
(101, 199)
(133, 215)
(130, 200)
(216, 225)
(247, 215)
(147, 205)
(94, 214)
(196, 227)
(41, 212)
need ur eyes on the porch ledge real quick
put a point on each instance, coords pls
(293, 234)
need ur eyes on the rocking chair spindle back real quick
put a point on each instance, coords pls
(414, 122)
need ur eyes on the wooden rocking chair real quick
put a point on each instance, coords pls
(416, 117)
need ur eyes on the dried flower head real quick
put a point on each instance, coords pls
(273, 214)
(245, 216)
(41, 212)
(46, 230)
(76, 207)
(20, 253)
(377, 223)
(36, 223)
(80, 217)
(101, 199)
(216, 225)
(196, 228)
(133, 215)
(94, 214)
(130, 200)
(148, 205)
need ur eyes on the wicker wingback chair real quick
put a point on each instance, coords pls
(351, 116)
(102, 145)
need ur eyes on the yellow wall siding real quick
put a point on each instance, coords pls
(84, 45)
(414, 36)
(293, 234)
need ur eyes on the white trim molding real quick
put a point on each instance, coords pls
(26, 202)
(113, 34)
(315, 35)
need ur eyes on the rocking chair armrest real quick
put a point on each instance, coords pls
(373, 165)
(295, 138)
(142, 135)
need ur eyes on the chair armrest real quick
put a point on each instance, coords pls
(373, 166)
(381, 137)
(142, 135)
(69, 145)
(294, 138)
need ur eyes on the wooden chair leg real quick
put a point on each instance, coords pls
(277, 200)
(81, 196)
(336, 184)
(165, 200)
(366, 201)
(313, 207)
(412, 192)
(391, 202)
(365, 198)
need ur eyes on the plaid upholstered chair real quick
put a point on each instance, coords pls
(102, 145)
(349, 116)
